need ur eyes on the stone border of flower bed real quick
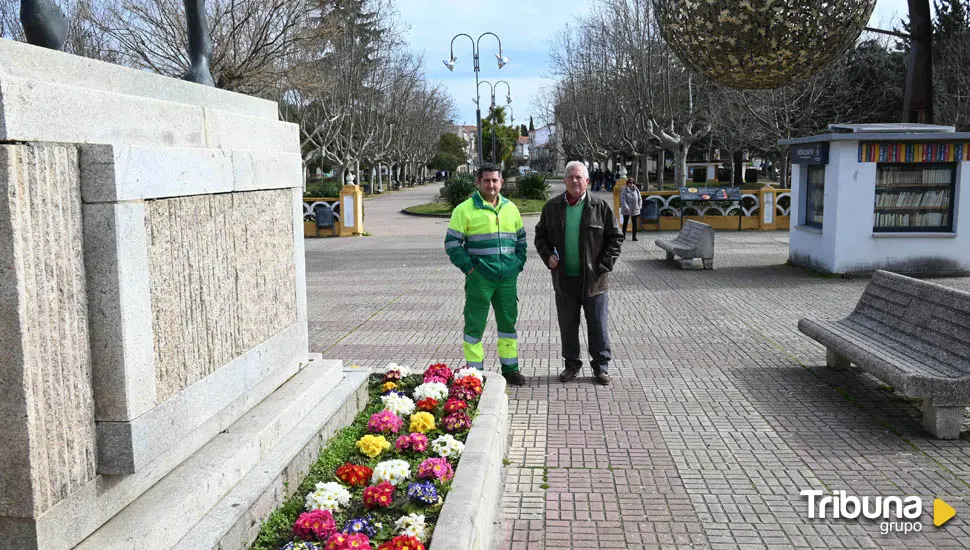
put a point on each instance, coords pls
(471, 507)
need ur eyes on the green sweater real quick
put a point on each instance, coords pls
(574, 217)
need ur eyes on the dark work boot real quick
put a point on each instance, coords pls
(514, 378)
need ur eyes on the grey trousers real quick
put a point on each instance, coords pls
(568, 303)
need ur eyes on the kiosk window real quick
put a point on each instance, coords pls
(814, 195)
(914, 197)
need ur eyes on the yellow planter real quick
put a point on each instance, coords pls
(309, 229)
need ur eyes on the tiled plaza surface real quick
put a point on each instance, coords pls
(720, 412)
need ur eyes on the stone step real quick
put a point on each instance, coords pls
(235, 522)
(161, 516)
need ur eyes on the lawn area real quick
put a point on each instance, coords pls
(441, 208)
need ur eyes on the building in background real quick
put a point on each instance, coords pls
(468, 135)
(545, 151)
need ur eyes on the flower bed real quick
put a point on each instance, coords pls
(380, 483)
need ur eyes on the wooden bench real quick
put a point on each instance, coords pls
(695, 240)
(912, 334)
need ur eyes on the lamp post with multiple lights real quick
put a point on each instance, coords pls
(475, 51)
(508, 102)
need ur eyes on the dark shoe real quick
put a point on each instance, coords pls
(514, 378)
(634, 238)
(601, 378)
(568, 375)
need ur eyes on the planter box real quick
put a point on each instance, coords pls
(471, 508)
(309, 229)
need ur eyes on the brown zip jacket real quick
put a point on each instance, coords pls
(599, 247)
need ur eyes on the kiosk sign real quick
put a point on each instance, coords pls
(810, 153)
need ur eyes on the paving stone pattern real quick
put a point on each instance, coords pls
(720, 412)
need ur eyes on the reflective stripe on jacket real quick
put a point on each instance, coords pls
(490, 239)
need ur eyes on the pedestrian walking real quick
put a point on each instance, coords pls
(631, 201)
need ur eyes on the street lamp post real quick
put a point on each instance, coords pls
(491, 114)
(512, 124)
(508, 101)
(492, 106)
(476, 49)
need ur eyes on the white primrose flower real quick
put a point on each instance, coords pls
(329, 496)
(434, 390)
(391, 471)
(403, 369)
(447, 446)
(412, 525)
(400, 405)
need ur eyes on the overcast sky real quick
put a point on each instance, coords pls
(526, 28)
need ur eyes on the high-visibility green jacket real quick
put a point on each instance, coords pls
(489, 239)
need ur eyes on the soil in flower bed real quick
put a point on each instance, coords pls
(385, 497)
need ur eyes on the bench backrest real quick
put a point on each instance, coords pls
(694, 233)
(936, 316)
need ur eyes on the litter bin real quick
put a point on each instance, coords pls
(324, 215)
(650, 213)
(699, 174)
(751, 175)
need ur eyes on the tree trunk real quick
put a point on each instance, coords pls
(661, 162)
(380, 177)
(680, 165)
(737, 163)
(784, 171)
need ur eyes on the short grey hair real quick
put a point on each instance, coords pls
(577, 164)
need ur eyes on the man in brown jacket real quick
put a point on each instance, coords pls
(579, 240)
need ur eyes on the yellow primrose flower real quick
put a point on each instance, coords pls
(422, 422)
(373, 445)
(388, 386)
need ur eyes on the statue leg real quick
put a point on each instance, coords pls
(200, 46)
(44, 23)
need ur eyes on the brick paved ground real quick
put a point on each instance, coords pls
(719, 414)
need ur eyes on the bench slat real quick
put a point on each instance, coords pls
(890, 341)
(910, 376)
(936, 345)
(942, 324)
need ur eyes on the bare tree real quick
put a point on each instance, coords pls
(252, 40)
(85, 37)
(622, 91)
(360, 97)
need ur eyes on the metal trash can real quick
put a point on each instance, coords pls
(650, 212)
(324, 215)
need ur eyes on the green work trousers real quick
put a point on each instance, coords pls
(480, 293)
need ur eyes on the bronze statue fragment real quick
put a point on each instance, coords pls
(45, 26)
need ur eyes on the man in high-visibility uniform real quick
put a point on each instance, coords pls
(487, 242)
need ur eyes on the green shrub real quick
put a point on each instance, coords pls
(510, 172)
(509, 189)
(457, 189)
(325, 188)
(532, 186)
